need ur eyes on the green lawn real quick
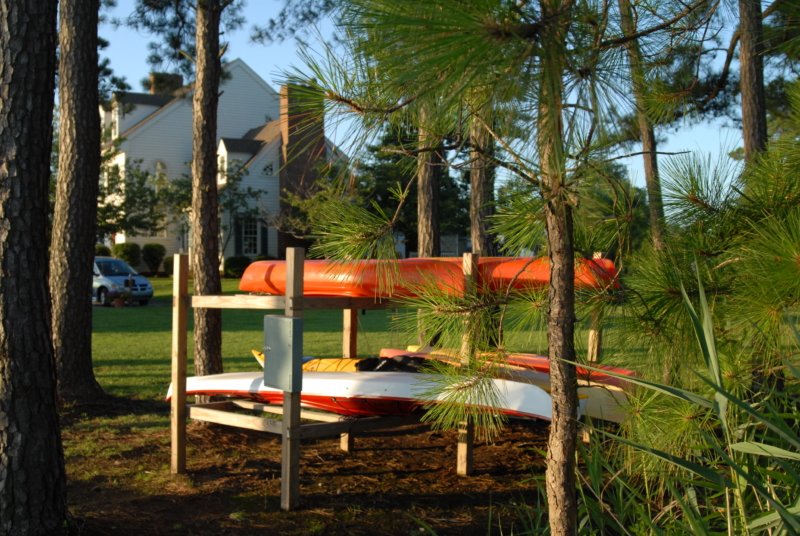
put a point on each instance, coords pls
(131, 345)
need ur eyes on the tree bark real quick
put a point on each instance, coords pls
(205, 200)
(481, 203)
(560, 474)
(751, 72)
(646, 131)
(75, 216)
(32, 482)
(428, 244)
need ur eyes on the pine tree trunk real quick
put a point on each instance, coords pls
(646, 132)
(751, 72)
(560, 474)
(428, 244)
(205, 201)
(74, 220)
(481, 190)
(32, 482)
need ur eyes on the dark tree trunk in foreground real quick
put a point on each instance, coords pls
(646, 132)
(428, 244)
(560, 474)
(205, 201)
(74, 221)
(32, 484)
(481, 190)
(751, 69)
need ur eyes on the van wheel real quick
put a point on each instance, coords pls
(102, 296)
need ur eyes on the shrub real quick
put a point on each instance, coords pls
(234, 266)
(168, 262)
(152, 255)
(128, 252)
(101, 250)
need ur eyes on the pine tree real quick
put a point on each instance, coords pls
(74, 220)
(32, 480)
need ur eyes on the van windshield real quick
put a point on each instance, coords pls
(114, 267)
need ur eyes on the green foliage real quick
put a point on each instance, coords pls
(168, 265)
(101, 250)
(128, 203)
(152, 255)
(740, 469)
(235, 266)
(128, 252)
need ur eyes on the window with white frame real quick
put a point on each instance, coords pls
(249, 236)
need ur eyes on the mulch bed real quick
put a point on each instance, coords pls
(394, 482)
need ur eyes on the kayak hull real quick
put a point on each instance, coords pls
(368, 393)
(406, 277)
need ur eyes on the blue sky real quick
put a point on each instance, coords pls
(128, 49)
(128, 54)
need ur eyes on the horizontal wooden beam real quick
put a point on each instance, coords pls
(238, 301)
(327, 425)
(229, 418)
(310, 415)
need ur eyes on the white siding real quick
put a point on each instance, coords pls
(246, 102)
(128, 116)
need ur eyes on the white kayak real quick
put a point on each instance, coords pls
(369, 393)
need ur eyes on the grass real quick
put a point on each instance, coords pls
(131, 345)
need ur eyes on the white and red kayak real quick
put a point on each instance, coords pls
(367, 393)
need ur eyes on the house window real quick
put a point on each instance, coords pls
(269, 169)
(249, 237)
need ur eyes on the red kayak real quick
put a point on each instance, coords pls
(371, 278)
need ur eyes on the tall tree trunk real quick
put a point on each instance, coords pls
(75, 217)
(751, 72)
(428, 239)
(646, 132)
(481, 178)
(205, 201)
(560, 474)
(32, 483)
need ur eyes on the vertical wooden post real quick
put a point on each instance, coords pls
(466, 432)
(290, 443)
(180, 305)
(349, 350)
(350, 333)
(595, 342)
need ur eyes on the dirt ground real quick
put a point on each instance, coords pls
(401, 481)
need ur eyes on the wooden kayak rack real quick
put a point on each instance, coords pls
(318, 423)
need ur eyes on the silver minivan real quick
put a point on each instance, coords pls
(114, 278)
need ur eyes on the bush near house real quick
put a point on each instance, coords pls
(152, 255)
(234, 266)
(128, 252)
(101, 250)
(168, 264)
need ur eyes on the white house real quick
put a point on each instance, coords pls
(258, 128)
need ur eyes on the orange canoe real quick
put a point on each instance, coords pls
(370, 278)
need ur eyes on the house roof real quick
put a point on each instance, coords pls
(265, 133)
(146, 99)
(237, 145)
